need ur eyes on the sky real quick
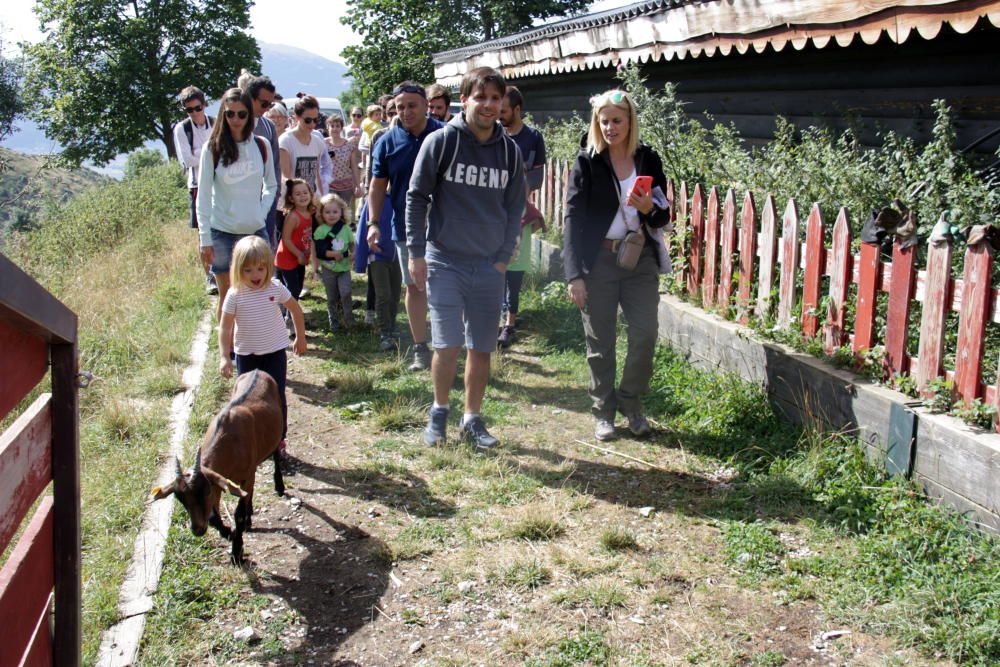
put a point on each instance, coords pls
(271, 21)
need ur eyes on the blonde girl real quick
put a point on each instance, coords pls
(335, 251)
(252, 326)
(295, 245)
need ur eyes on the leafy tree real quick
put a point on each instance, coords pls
(140, 160)
(11, 105)
(110, 70)
(400, 36)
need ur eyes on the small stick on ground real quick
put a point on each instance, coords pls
(625, 456)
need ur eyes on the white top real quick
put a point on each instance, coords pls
(260, 328)
(621, 226)
(306, 159)
(189, 157)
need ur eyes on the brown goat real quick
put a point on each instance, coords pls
(246, 431)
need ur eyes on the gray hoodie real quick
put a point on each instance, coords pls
(477, 190)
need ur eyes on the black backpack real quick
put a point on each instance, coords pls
(188, 125)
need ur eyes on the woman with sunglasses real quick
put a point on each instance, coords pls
(354, 129)
(302, 150)
(602, 208)
(236, 186)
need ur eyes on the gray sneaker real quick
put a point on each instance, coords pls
(638, 425)
(421, 357)
(211, 288)
(604, 430)
(475, 432)
(437, 425)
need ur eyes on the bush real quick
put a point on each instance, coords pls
(141, 160)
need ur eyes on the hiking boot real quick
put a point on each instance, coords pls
(421, 357)
(604, 430)
(437, 424)
(638, 425)
(386, 343)
(506, 336)
(475, 432)
(370, 317)
(211, 288)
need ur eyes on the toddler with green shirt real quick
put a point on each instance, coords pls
(334, 244)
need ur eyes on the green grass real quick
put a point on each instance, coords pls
(618, 539)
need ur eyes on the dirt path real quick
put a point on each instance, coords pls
(549, 553)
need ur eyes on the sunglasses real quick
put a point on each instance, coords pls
(309, 120)
(242, 113)
(356, 115)
(194, 109)
(615, 97)
(264, 104)
(399, 90)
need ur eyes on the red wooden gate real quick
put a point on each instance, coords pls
(42, 445)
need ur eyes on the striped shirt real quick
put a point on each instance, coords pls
(260, 329)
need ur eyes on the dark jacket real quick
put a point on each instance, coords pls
(592, 202)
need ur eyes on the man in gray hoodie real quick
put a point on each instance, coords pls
(460, 247)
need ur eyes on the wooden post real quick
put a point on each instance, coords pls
(789, 264)
(937, 305)
(901, 288)
(815, 260)
(972, 320)
(748, 253)
(697, 232)
(768, 257)
(840, 278)
(869, 279)
(550, 171)
(728, 250)
(709, 285)
(681, 224)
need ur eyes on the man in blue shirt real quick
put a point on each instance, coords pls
(392, 165)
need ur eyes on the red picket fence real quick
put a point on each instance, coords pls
(38, 334)
(757, 252)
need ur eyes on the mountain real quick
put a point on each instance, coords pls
(292, 70)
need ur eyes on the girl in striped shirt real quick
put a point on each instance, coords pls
(252, 325)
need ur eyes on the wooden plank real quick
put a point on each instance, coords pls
(840, 272)
(748, 253)
(972, 321)
(813, 278)
(768, 257)
(728, 242)
(901, 288)
(934, 312)
(708, 283)
(25, 465)
(697, 241)
(789, 264)
(66, 508)
(23, 364)
(26, 581)
(869, 277)
(30, 307)
(681, 225)
(39, 650)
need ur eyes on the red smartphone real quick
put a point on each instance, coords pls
(642, 185)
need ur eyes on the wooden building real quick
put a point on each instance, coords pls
(869, 63)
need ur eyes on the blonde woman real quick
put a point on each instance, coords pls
(603, 206)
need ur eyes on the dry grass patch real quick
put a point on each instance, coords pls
(536, 524)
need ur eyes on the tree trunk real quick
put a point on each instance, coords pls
(165, 130)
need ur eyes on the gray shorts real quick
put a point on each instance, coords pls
(403, 254)
(464, 297)
(222, 248)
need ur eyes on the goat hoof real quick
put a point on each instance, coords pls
(238, 560)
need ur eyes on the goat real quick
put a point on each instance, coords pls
(246, 431)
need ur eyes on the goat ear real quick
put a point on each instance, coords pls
(161, 491)
(223, 483)
(234, 488)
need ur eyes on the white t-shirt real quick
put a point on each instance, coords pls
(305, 158)
(618, 227)
(260, 328)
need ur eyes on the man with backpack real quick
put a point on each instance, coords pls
(189, 136)
(460, 246)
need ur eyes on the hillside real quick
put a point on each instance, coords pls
(27, 182)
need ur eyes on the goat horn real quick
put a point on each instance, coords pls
(197, 461)
(177, 464)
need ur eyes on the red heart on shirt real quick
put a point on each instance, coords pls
(270, 298)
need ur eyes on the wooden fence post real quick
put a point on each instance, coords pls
(748, 253)
(840, 279)
(869, 278)
(728, 243)
(813, 279)
(697, 231)
(789, 264)
(901, 289)
(937, 304)
(550, 178)
(768, 257)
(681, 224)
(972, 320)
(708, 284)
